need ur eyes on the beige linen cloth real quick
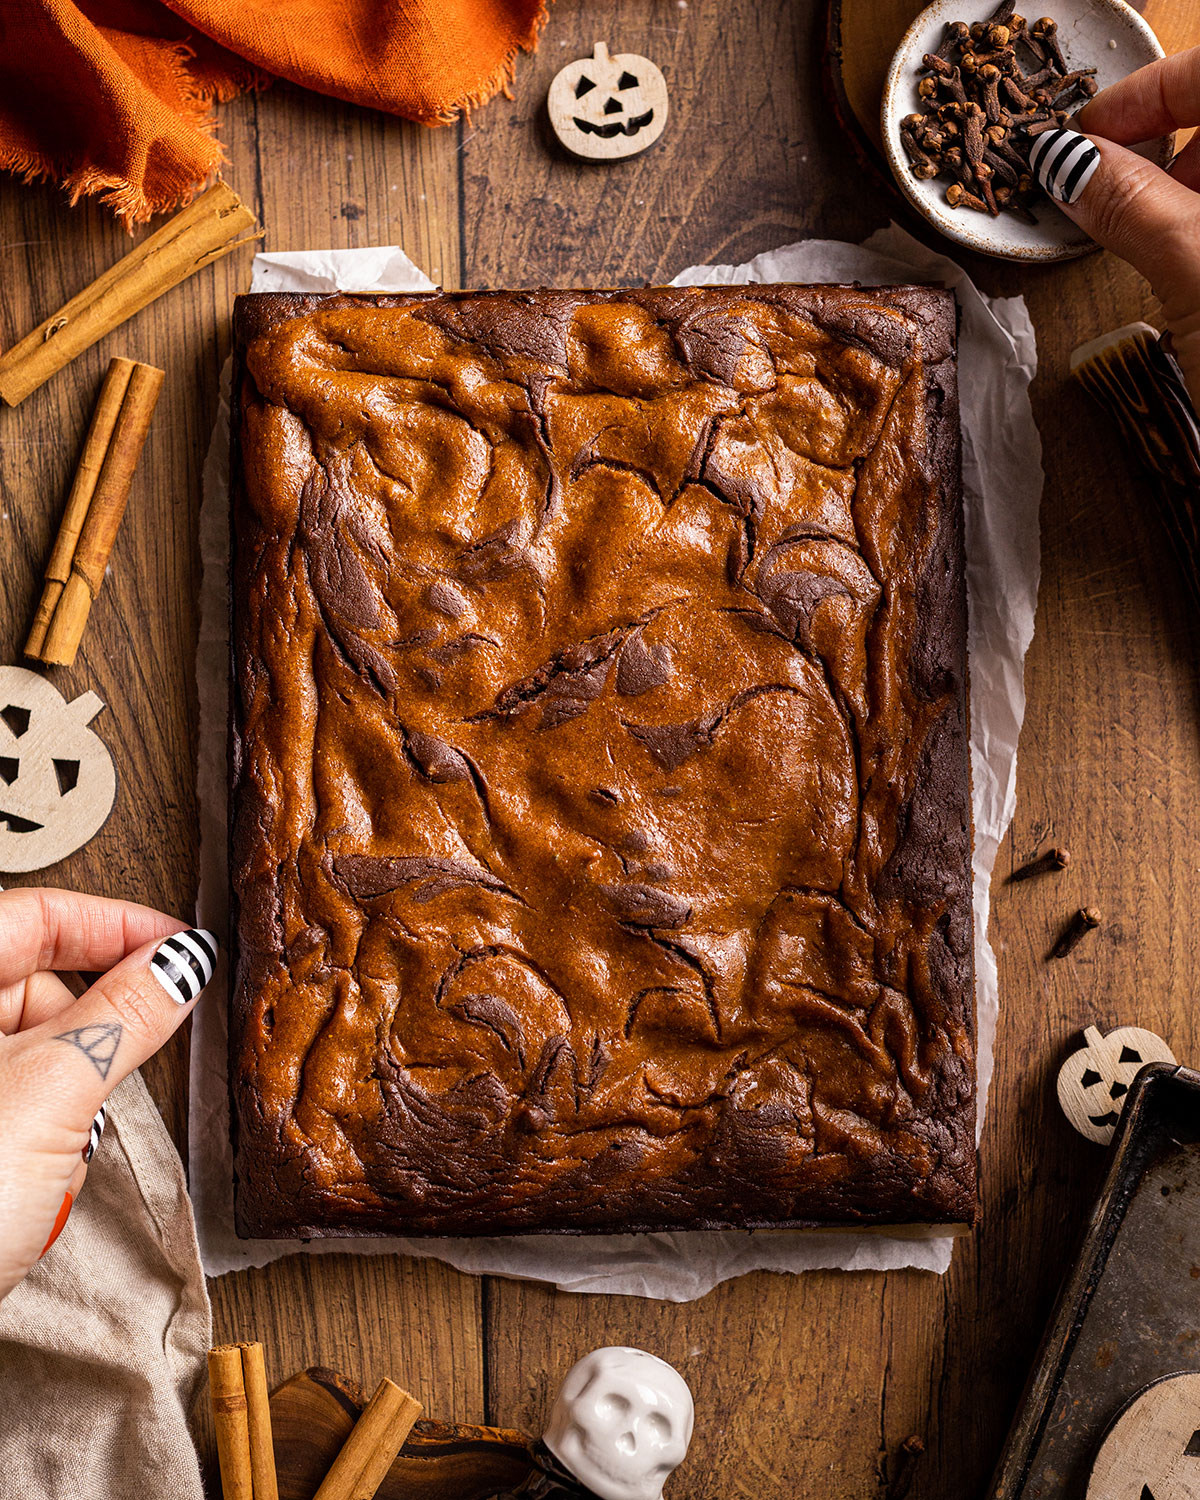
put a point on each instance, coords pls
(102, 1346)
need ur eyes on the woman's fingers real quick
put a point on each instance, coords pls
(1153, 221)
(67, 1066)
(1137, 210)
(37, 999)
(52, 929)
(1154, 101)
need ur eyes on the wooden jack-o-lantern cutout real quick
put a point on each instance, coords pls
(1152, 1450)
(1093, 1082)
(57, 781)
(606, 108)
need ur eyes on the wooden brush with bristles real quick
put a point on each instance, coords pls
(1132, 373)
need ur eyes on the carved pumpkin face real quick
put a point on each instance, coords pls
(57, 781)
(606, 107)
(1152, 1450)
(1093, 1082)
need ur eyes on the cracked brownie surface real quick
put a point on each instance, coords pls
(601, 805)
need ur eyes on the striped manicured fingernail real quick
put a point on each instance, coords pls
(1063, 162)
(184, 963)
(64, 1214)
(95, 1133)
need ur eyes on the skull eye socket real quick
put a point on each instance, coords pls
(627, 81)
(67, 772)
(1089, 1077)
(16, 718)
(659, 1426)
(612, 1407)
(1128, 1055)
(584, 86)
(9, 769)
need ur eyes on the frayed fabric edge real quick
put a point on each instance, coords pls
(132, 203)
(500, 80)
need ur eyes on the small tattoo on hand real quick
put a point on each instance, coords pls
(98, 1043)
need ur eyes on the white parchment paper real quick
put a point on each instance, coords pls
(1002, 488)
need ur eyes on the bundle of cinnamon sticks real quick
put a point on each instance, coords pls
(94, 509)
(242, 1414)
(237, 1383)
(211, 226)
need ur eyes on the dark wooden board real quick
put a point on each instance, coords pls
(803, 1384)
(314, 1412)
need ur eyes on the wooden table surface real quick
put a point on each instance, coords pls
(804, 1385)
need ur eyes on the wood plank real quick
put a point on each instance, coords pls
(822, 1378)
(319, 173)
(735, 171)
(138, 659)
(367, 179)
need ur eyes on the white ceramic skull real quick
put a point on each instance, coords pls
(622, 1423)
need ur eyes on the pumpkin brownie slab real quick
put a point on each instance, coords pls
(601, 843)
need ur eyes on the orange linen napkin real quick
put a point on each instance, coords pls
(115, 96)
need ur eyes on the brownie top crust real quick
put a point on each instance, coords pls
(601, 847)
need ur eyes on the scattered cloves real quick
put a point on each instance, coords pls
(1084, 920)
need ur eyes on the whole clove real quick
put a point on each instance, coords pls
(958, 197)
(986, 93)
(1046, 32)
(1052, 860)
(1085, 920)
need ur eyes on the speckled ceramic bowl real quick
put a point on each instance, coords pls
(1107, 35)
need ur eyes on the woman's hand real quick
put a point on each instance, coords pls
(1149, 217)
(61, 1057)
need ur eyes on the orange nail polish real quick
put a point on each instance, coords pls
(63, 1215)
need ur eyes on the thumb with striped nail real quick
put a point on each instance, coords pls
(62, 1054)
(1145, 214)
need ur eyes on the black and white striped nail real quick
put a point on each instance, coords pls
(184, 963)
(1063, 162)
(95, 1133)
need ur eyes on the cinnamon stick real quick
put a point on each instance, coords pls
(371, 1449)
(104, 514)
(227, 1392)
(95, 446)
(209, 227)
(262, 1447)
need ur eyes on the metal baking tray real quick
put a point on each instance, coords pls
(1129, 1310)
